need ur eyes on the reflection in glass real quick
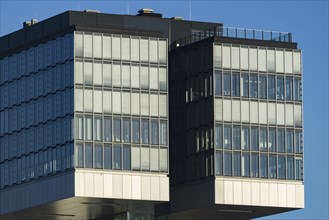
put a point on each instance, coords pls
(126, 130)
(244, 85)
(135, 130)
(227, 164)
(107, 156)
(236, 164)
(117, 130)
(236, 137)
(218, 83)
(254, 165)
(271, 87)
(89, 155)
(263, 165)
(262, 87)
(126, 157)
(245, 164)
(117, 157)
(154, 132)
(227, 137)
(280, 88)
(272, 166)
(145, 131)
(107, 129)
(219, 163)
(98, 156)
(281, 167)
(253, 86)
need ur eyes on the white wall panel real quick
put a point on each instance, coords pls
(236, 116)
(264, 194)
(117, 186)
(164, 189)
(218, 110)
(280, 114)
(237, 192)
(282, 195)
(254, 112)
(246, 193)
(98, 185)
(89, 184)
(126, 191)
(136, 191)
(108, 185)
(290, 114)
(146, 187)
(262, 113)
(271, 109)
(219, 192)
(245, 111)
(227, 110)
(228, 192)
(155, 188)
(273, 194)
(291, 198)
(255, 193)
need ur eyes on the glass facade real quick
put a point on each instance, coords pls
(258, 112)
(36, 112)
(121, 117)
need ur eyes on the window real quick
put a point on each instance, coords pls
(219, 163)
(272, 168)
(135, 130)
(263, 139)
(271, 87)
(88, 128)
(235, 57)
(245, 138)
(116, 102)
(219, 136)
(107, 129)
(135, 158)
(126, 157)
(154, 156)
(125, 48)
(88, 46)
(299, 168)
(117, 130)
(98, 156)
(217, 56)
(153, 50)
(289, 88)
(97, 129)
(163, 159)
(125, 103)
(135, 108)
(290, 168)
(218, 81)
(262, 86)
(145, 158)
(227, 137)
(298, 89)
(270, 61)
(236, 138)
(145, 131)
(281, 167)
(126, 130)
(154, 78)
(163, 133)
(281, 140)
(298, 141)
(263, 165)
(236, 164)
(245, 164)
(117, 157)
(89, 155)
(163, 79)
(78, 69)
(236, 84)
(79, 159)
(107, 156)
(272, 140)
(154, 132)
(106, 47)
(280, 88)
(78, 43)
(253, 86)
(254, 165)
(134, 49)
(254, 138)
(290, 141)
(227, 84)
(79, 128)
(244, 85)
(227, 164)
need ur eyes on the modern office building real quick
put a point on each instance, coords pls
(107, 116)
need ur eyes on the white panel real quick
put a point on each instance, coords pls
(107, 101)
(125, 103)
(282, 195)
(237, 192)
(246, 193)
(298, 115)
(279, 61)
(271, 109)
(126, 180)
(144, 104)
(155, 188)
(235, 58)
(262, 60)
(228, 192)
(135, 103)
(300, 196)
(154, 105)
(98, 104)
(136, 189)
(262, 113)
(280, 114)
(227, 57)
(291, 195)
(273, 193)
(117, 186)
(162, 105)
(255, 194)
(236, 117)
(164, 188)
(289, 114)
(146, 185)
(227, 111)
(244, 111)
(116, 99)
(244, 58)
(218, 110)
(297, 63)
(288, 61)
(89, 184)
(79, 184)
(78, 100)
(254, 112)
(219, 192)
(253, 59)
(108, 182)
(88, 100)
(264, 194)
(98, 185)
(217, 56)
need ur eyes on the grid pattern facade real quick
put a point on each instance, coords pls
(258, 112)
(121, 117)
(36, 112)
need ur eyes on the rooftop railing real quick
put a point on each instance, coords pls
(233, 32)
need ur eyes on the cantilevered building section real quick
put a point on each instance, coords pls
(94, 106)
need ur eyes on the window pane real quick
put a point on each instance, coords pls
(163, 159)
(227, 57)
(145, 158)
(280, 88)
(254, 165)
(126, 157)
(116, 48)
(244, 85)
(117, 102)
(279, 61)
(145, 131)
(163, 133)
(218, 81)
(163, 79)
(163, 51)
(107, 156)
(126, 130)
(163, 105)
(236, 84)
(298, 89)
(245, 138)
(289, 90)
(135, 104)
(144, 47)
(134, 76)
(298, 142)
(217, 56)
(135, 131)
(227, 164)
(253, 59)
(227, 84)
(88, 128)
(227, 137)
(134, 49)
(262, 60)
(154, 132)
(288, 61)
(97, 129)
(89, 155)
(290, 168)
(107, 74)
(262, 87)
(97, 46)
(299, 168)
(97, 74)
(245, 164)
(281, 141)
(144, 77)
(107, 101)
(272, 166)
(270, 61)
(290, 141)
(263, 139)
(107, 129)
(272, 140)
(98, 156)
(125, 48)
(263, 165)
(80, 158)
(78, 45)
(116, 75)
(79, 128)
(154, 156)
(117, 130)
(125, 76)
(218, 136)
(253, 86)
(254, 138)
(219, 163)
(117, 157)
(235, 58)
(236, 137)
(297, 62)
(88, 73)
(236, 164)
(135, 158)
(281, 167)
(271, 87)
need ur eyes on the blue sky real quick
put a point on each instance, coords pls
(308, 22)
